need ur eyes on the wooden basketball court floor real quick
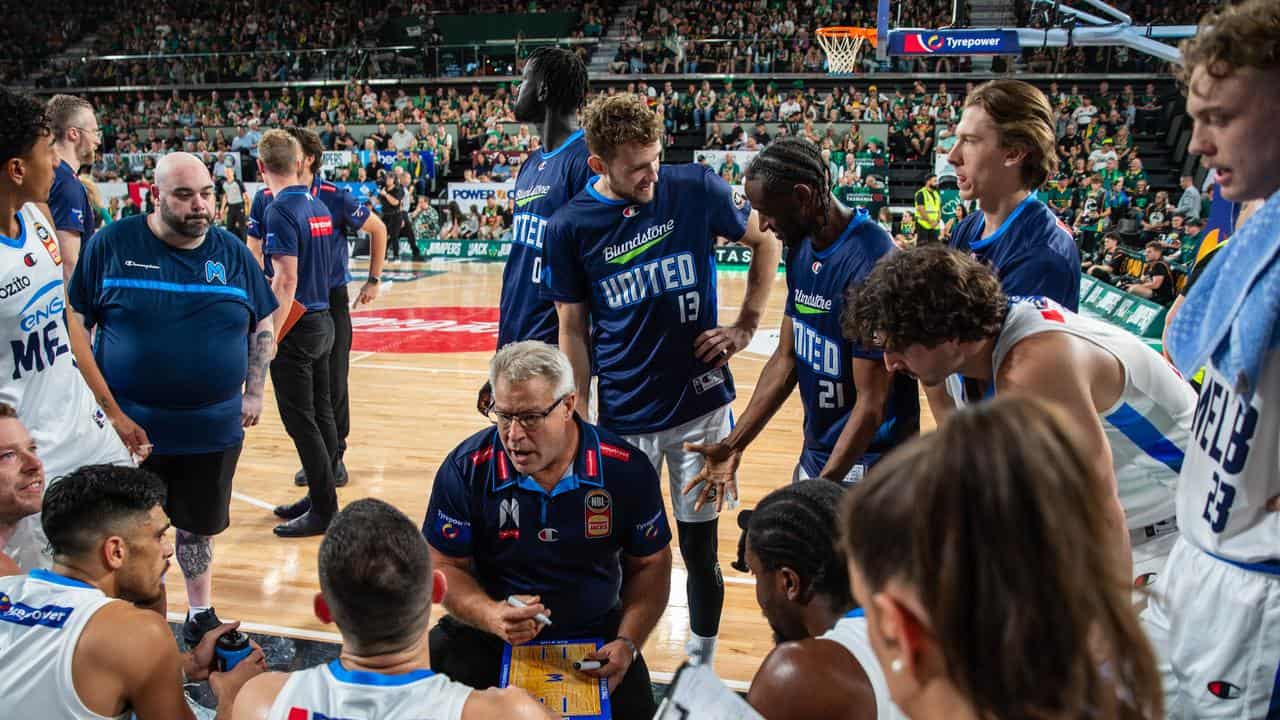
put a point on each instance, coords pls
(421, 352)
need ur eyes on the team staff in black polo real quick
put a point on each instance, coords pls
(299, 259)
(563, 515)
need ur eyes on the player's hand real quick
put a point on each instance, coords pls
(715, 346)
(132, 435)
(1273, 505)
(718, 476)
(226, 685)
(484, 399)
(250, 410)
(368, 293)
(199, 662)
(514, 625)
(617, 659)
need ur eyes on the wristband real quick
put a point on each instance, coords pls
(374, 280)
(631, 644)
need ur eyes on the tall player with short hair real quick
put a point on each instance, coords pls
(855, 410)
(1215, 612)
(38, 375)
(552, 91)
(631, 257)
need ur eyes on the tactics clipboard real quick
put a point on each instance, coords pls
(544, 669)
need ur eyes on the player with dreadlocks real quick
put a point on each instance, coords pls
(553, 89)
(823, 665)
(854, 409)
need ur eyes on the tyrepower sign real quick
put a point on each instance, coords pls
(954, 42)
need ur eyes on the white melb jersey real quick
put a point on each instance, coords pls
(1148, 427)
(38, 376)
(332, 691)
(41, 618)
(1233, 468)
(850, 632)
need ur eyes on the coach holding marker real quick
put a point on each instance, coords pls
(298, 252)
(184, 336)
(562, 515)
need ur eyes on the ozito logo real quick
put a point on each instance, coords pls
(14, 286)
(1224, 690)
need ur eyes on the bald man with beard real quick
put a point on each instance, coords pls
(185, 335)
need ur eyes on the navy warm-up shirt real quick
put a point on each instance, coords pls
(1033, 252)
(347, 212)
(562, 546)
(545, 183)
(69, 203)
(172, 330)
(300, 225)
(817, 283)
(647, 273)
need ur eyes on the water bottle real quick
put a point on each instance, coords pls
(232, 647)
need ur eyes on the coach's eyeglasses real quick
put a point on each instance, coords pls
(528, 420)
(96, 131)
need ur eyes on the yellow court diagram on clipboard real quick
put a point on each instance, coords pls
(544, 669)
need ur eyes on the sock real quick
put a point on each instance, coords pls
(701, 650)
(195, 610)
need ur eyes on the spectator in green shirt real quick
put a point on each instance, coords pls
(1062, 199)
(1134, 175)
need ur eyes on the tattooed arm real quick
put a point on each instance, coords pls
(262, 347)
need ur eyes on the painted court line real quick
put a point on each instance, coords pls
(357, 358)
(415, 368)
(252, 500)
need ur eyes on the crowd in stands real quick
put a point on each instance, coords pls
(751, 36)
(252, 41)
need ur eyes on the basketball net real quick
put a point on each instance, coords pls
(844, 45)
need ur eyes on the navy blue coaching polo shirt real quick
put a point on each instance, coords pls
(348, 213)
(298, 224)
(563, 545)
(69, 203)
(173, 330)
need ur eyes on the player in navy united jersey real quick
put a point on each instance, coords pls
(298, 249)
(632, 255)
(1005, 150)
(855, 410)
(553, 89)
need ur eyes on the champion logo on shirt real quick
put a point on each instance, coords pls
(1223, 690)
(144, 266)
(321, 227)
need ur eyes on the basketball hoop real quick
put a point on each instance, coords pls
(844, 45)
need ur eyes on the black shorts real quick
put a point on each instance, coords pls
(199, 488)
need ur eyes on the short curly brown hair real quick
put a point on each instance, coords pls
(925, 296)
(613, 121)
(1244, 35)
